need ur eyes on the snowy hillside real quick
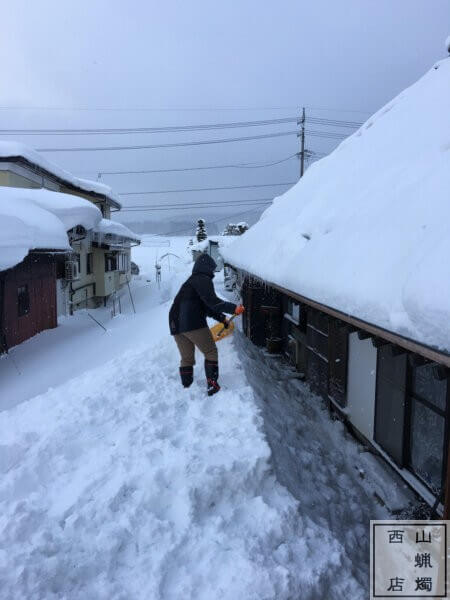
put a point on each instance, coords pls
(366, 229)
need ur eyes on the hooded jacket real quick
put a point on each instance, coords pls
(197, 300)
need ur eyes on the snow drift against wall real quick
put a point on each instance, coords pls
(38, 219)
(366, 230)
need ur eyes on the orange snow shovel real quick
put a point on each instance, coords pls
(219, 331)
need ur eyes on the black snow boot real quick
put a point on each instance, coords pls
(187, 376)
(212, 375)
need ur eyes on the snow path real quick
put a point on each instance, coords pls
(118, 484)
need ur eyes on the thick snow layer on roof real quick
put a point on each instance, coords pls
(222, 240)
(366, 230)
(106, 226)
(37, 219)
(12, 149)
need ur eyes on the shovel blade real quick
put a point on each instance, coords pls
(219, 332)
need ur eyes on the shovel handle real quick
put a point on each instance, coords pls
(219, 333)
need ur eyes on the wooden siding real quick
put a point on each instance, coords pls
(38, 273)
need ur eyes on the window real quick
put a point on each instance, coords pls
(317, 344)
(428, 398)
(78, 259)
(110, 262)
(23, 300)
(293, 308)
(89, 263)
(124, 262)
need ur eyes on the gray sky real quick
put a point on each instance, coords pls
(176, 63)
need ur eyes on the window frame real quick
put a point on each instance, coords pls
(412, 397)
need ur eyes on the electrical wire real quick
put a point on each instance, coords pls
(206, 189)
(202, 207)
(166, 129)
(172, 145)
(206, 207)
(210, 203)
(237, 166)
(179, 128)
(333, 122)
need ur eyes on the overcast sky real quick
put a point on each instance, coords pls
(195, 62)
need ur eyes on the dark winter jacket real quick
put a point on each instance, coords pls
(197, 299)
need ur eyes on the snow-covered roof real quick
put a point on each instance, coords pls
(222, 240)
(39, 219)
(366, 230)
(11, 150)
(108, 227)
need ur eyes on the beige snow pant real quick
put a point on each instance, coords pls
(203, 339)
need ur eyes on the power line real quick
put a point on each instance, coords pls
(172, 145)
(166, 129)
(200, 202)
(334, 122)
(203, 207)
(231, 187)
(237, 166)
(177, 128)
(331, 134)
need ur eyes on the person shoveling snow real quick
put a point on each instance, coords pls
(195, 301)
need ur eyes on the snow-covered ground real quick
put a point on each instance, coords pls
(117, 483)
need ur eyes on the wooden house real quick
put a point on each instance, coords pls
(35, 229)
(90, 278)
(346, 276)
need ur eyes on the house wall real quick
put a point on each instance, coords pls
(83, 290)
(397, 401)
(37, 273)
(17, 175)
(108, 282)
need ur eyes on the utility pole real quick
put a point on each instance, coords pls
(302, 151)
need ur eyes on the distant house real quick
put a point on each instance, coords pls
(92, 277)
(35, 227)
(346, 277)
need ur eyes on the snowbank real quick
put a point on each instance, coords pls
(366, 229)
(12, 149)
(108, 227)
(37, 219)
